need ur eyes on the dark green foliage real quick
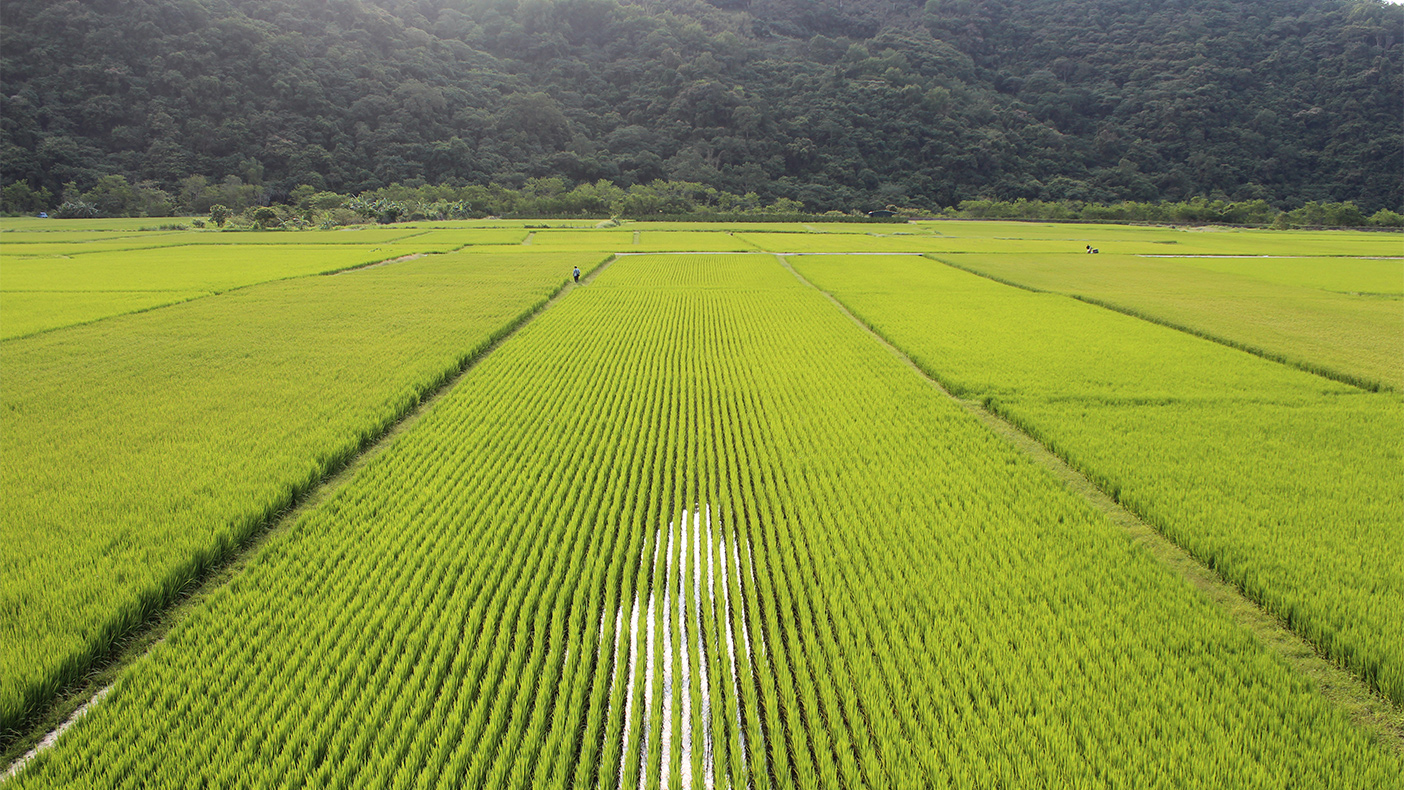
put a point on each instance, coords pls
(76, 209)
(1193, 212)
(839, 106)
(21, 198)
(264, 217)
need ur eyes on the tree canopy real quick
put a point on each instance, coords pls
(836, 104)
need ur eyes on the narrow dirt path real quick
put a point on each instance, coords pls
(1343, 688)
(74, 702)
(416, 256)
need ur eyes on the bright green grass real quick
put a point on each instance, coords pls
(1343, 275)
(453, 239)
(1144, 241)
(55, 292)
(16, 242)
(63, 244)
(108, 243)
(1286, 483)
(108, 224)
(521, 224)
(1264, 242)
(876, 241)
(697, 272)
(721, 227)
(1028, 230)
(865, 228)
(1276, 307)
(690, 241)
(839, 242)
(68, 245)
(371, 235)
(612, 240)
(27, 312)
(140, 448)
(838, 576)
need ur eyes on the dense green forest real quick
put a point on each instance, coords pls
(836, 104)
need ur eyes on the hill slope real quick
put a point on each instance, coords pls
(832, 102)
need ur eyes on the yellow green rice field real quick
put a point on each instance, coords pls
(750, 505)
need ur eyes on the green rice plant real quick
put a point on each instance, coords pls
(871, 241)
(1285, 483)
(901, 597)
(104, 224)
(32, 244)
(209, 268)
(1355, 276)
(667, 226)
(30, 312)
(690, 241)
(40, 294)
(155, 443)
(1336, 316)
(58, 278)
(595, 240)
(77, 244)
(951, 237)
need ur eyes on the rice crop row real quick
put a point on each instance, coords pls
(142, 448)
(692, 528)
(1339, 316)
(1285, 483)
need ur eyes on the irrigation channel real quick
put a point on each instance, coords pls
(694, 554)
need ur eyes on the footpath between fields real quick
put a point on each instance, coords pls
(1341, 687)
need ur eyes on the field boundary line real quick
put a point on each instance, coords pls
(1350, 379)
(723, 252)
(43, 727)
(414, 256)
(1372, 712)
(1278, 257)
(206, 294)
(230, 243)
(52, 738)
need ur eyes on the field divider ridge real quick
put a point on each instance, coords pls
(414, 256)
(1367, 384)
(203, 294)
(1343, 688)
(49, 720)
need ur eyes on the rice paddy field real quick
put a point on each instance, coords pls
(740, 509)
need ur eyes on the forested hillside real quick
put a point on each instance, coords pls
(835, 103)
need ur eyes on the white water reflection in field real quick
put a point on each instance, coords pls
(689, 561)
